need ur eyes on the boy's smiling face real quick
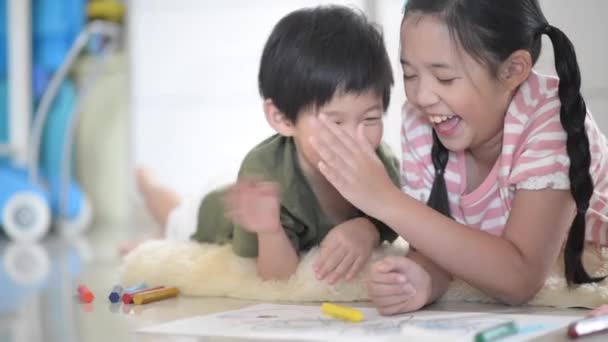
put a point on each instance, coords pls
(349, 110)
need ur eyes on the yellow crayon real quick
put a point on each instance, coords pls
(342, 312)
(155, 295)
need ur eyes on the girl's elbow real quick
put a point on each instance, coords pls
(522, 293)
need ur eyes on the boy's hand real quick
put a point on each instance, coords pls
(346, 249)
(397, 285)
(254, 205)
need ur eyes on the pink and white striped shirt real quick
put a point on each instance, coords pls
(533, 157)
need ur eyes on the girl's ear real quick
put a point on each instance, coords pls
(516, 69)
(277, 119)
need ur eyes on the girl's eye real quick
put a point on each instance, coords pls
(408, 77)
(446, 81)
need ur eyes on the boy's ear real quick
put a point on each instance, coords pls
(516, 69)
(277, 119)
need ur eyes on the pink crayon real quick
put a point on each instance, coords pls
(84, 294)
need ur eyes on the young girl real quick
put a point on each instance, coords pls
(510, 163)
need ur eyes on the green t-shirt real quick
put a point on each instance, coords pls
(305, 223)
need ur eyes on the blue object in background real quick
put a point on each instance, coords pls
(56, 23)
(52, 150)
(3, 40)
(55, 129)
(55, 26)
(3, 112)
(40, 79)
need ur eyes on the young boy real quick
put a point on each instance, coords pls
(317, 61)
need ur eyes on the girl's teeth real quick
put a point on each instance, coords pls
(440, 119)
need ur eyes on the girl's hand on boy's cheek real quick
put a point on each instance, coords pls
(345, 250)
(397, 285)
(351, 165)
(254, 205)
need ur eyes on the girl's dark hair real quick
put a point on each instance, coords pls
(490, 31)
(314, 52)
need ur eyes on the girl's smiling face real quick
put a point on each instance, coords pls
(463, 101)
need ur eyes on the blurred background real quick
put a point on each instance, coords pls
(91, 89)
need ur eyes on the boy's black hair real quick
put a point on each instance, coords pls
(314, 52)
(490, 31)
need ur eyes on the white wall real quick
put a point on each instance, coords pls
(584, 22)
(196, 108)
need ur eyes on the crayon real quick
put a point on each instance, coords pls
(127, 297)
(342, 312)
(137, 287)
(497, 332)
(84, 294)
(115, 294)
(155, 295)
(588, 326)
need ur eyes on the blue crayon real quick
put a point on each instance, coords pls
(115, 294)
(137, 287)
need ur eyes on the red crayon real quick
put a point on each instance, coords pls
(127, 298)
(84, 294)
(588, 326)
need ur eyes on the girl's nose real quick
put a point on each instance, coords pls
(426, 97)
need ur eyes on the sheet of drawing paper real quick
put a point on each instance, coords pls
(308, 323)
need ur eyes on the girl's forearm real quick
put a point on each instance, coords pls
(277, 259)
(490, 263)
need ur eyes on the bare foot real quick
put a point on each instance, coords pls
(145, 180)
(159, 199)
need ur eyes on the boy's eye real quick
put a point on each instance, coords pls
(372, 120)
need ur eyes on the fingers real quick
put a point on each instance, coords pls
(393, 263)
(246, 191)
(388, 278)
(386, 290)
(396, 307)
(253, 204)
(330, 259)
(387, 264)
(334, 145)
(340, 270)
(365, 145)
(337, 136)
(392, 298)
(331, 158)
(355, 268)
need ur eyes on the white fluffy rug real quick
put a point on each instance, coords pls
(213, 270)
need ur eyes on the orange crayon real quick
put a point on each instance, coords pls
(155, 295)
(84, 294)
(127, 297)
